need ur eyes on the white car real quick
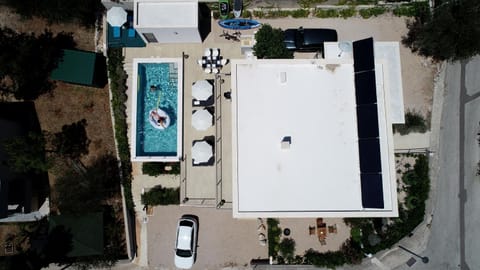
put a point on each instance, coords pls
(186, 242)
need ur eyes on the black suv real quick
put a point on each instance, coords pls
(308, 39)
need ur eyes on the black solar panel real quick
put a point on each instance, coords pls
(365, 87)
(363, 58)
(367, 121)
(370, 161)
(372, 190)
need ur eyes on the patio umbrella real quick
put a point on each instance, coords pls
(202, 90)
(201, 152)
(202, 119)
(116, 16)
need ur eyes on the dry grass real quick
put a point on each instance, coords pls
(67, 104)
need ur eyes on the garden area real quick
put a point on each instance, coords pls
(364, 235)
(344, 9)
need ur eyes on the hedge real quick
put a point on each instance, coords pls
(118, 79)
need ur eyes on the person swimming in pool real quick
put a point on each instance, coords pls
(160, 120)
(153, 88)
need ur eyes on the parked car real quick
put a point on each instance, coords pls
(186, 242)
(308, 39)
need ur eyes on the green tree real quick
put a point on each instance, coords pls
(85, 12)
(159, 195)
(269, 43)
(287, 249)
(450, 32)
(86, 191)
(27, 61)
(27, 153)
(72, 141)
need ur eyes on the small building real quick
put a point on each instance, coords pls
(23, 196)
(84, 232)
(313, 137)
(169, 21)
(81, 67)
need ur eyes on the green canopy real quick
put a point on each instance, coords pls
(86, 231)
(80, 67)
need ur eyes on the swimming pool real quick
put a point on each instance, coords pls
(149, 142)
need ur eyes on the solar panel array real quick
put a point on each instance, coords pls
(367, 124)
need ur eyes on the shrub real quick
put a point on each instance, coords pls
(369, 12)
(411, 9)
(287, 249)
(326, 13)
(259, 14)
(158, 168)
(246, 14)
(347, 12)
(300, 13)
(159, 195)
(270, 43)
(329, 259)
(356, 234)
(118, 79)
(414, 122)
(274, 233)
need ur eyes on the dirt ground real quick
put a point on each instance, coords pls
(69, 103)
(84, 38)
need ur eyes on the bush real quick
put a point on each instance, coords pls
(356, 234)
(300, 13)
(118, 79)
(158, 168)
(329, 259)
(270, 43)
(327, 13)
(410, 10)
(369, 12)
(347, 12)
(274, 233)
(414, 122)
(159, 195)
(287, 249)
(451, 32)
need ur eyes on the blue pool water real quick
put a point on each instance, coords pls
(152, 141)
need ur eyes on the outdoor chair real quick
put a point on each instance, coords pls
(116, 31)
(208, 52)
(131, 32)
(215, 52)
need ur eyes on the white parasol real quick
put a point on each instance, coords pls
(201, 152)
(202, 90)
(202, 119)
(116, 16)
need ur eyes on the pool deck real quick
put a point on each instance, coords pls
(202, 185)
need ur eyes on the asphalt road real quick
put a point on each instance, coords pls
(455, 239)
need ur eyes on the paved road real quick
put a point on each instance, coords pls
(454, 240)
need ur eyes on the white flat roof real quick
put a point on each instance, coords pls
(313, 103)
(166, 14)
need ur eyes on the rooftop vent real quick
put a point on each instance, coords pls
(286, 142)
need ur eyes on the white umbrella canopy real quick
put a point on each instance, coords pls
(116, 16)
(201, 152)
(202, 90)
(202, 119)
